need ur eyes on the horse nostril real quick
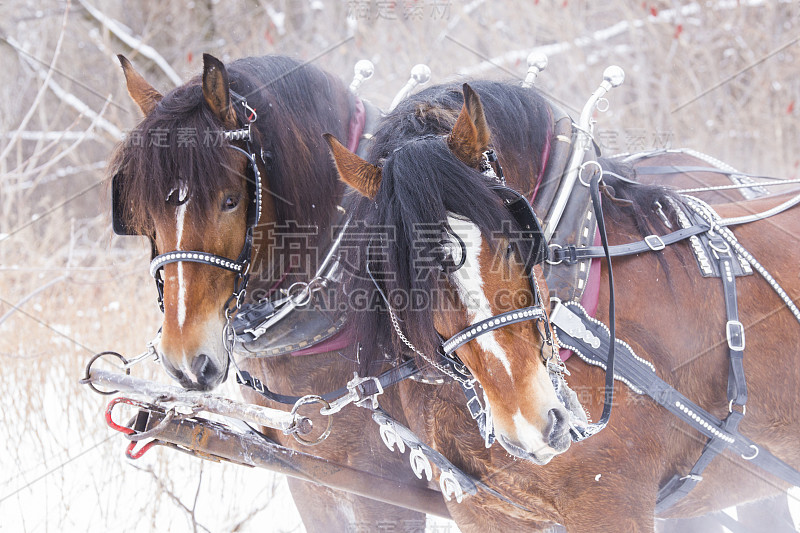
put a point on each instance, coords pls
(205, 371)
(559, 437)
(176, 374)
(200, 364)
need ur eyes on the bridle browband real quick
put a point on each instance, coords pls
(530, 228)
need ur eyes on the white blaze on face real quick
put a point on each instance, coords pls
(180, 214)
(469, 284)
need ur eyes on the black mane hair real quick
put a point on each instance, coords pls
(423, 182)
(181, 140)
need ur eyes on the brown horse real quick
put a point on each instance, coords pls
(424, 166)
(181, 184)
(191, 196)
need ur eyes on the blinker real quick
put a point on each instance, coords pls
(120, 214)
(530, 228)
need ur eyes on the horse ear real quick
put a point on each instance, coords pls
(354, 171)
(470, 135)
(142, 92)
(216, 90)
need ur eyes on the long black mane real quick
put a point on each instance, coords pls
(181, 140)
(423, 183)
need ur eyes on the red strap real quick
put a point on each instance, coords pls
(126, 430)
(356, 128)
(591, 295)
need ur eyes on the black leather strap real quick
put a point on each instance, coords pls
(367, 388)
(679, 486)
(673, 169)
(467, 483)
(571, 254)
(641, 375)
(597, 203)
(473, 331)
(478, 413)
(734, 330)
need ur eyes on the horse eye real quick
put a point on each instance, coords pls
(230, 203)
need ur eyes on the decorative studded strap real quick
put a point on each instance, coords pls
(453, 482)
(461, 338)
(195, 257)
(588, 338)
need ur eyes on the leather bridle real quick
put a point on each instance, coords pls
(530, 229)
(241, 265)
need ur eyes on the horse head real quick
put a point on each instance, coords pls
(487, 277)
(190, 188)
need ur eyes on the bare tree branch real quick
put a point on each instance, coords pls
(146, 50)
(67, 97)
(42, 89)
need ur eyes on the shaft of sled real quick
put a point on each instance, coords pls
(212, 441)
(204, 401)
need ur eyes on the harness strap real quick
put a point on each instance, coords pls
(597, 203)
(589, 342)
(481, 415)
(535, 312)
(676, 169)
(365, 389)
(453, 481)
(679, 486)
(734, 329)
(571, 254)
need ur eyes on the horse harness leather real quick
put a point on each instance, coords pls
(589, 339)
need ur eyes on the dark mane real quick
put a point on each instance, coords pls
(180, 139)
(423, 182)
(413, 199)
(518, 118)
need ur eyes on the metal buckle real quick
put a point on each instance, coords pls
(355, 394)
(735, 330)
(475, 407)
(694, 477)
(354, 385)
(554, 246)
(654, 242)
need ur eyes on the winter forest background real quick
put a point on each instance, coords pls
(719, 76)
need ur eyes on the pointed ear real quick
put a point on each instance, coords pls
(142, 92)
(470, 135)
(216, 90)
(354, 171)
